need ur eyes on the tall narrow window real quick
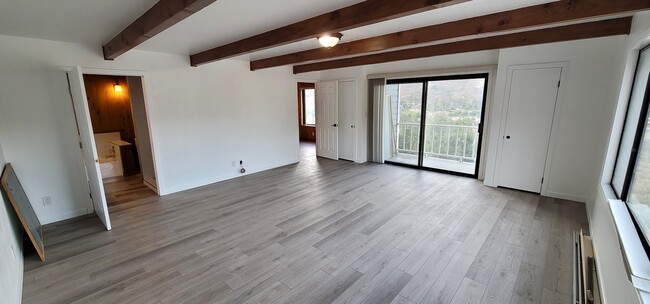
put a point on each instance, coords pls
(309, 107)
(621, 178)
(631, 179)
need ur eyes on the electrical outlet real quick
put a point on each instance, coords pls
(47, 201)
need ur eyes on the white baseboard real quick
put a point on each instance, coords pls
(223, 177)
(151, 186)
(565, 196)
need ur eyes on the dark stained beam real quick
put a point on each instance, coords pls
(612, 27)
(158, 18)
(364, 13)
(538, 15)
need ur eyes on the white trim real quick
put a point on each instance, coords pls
(485, 136)
(634, 255)
(112, 72)
(555, 127)
(355, 110)
(566, 196)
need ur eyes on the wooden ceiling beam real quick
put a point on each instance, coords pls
(612, 27)
(538, 15)
(158, 18)
(361, 14)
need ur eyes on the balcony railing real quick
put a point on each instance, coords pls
(449, 142)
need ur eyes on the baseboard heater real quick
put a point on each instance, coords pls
(585, 281)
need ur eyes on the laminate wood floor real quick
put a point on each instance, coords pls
(320, 231)
(124, 189)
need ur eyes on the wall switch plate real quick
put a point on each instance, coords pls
(47, 201)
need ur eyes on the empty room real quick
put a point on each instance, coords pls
(378, 151)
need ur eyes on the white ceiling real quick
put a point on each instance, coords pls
(94, 22)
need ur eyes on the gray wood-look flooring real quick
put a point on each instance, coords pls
(320, 231)
(124, 189)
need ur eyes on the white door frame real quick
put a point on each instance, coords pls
(354, 114)
(559, 104)
(146, 88)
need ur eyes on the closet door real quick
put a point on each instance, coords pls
(531, 104)
(327, 116)
(347, 92)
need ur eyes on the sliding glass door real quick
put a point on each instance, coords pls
(435, 123)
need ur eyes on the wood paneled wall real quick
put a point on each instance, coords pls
(307, 133)
(110, 111)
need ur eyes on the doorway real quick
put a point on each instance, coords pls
(436, 122)
(119, 124)
(346, 109)
(307, 119)
(114, 140)
(336, 119)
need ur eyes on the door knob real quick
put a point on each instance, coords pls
(508, 137)
(335, 125)
(352, 126)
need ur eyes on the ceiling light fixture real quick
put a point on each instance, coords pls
(117, 87)
(330, 40)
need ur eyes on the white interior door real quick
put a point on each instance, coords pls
(531, 103)
(91, 160)
(327, 119)
(347, 91)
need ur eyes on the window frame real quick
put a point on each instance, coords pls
(425, 81)
(641, 123)
(303, 119)
(638, 133)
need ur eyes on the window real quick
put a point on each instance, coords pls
(308, 107)
(435, 122)
(631, 179)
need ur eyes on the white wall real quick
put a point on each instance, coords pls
(609, 258)
(38, 134)
(436, 63)
(201, 119)
(586, 101)
(11, 263)
(205, 118)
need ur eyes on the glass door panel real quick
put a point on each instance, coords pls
(453, 117)
(404, 120)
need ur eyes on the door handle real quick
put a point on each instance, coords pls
(335, 125)
(507, 136)
(352, 126)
